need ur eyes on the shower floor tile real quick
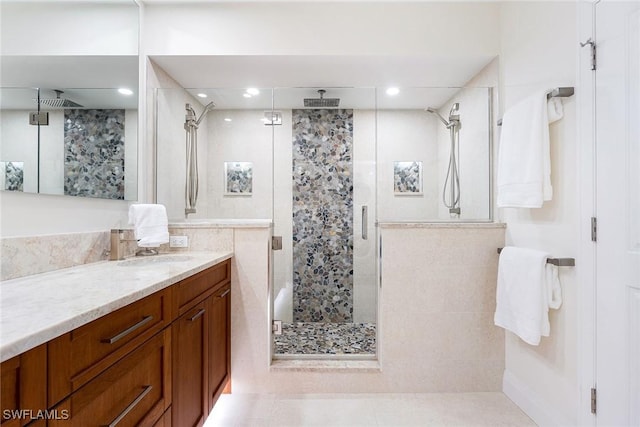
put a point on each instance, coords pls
(326, 338)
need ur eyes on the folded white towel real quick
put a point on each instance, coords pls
(527, 288)
(150, 224)
(524, 161)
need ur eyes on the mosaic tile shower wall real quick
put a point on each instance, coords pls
(322, 215)
(94, 153)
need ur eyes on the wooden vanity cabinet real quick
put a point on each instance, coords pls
(201, 362)
(160, 361)
(190, 333)
(219, 343)
(24, 391)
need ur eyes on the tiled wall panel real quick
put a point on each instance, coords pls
(94, 153)
(323, 215)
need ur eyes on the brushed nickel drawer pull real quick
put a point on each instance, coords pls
(225, 293)
(127, 331)
(132, 405)
(198, 314)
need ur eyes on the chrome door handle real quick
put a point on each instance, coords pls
(365, 222)
(127, 331)
(198, 314)
(131, 405)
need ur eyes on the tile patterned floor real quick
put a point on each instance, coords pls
(370, 410)
(326, 338)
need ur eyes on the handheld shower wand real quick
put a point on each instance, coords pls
(452, 180)
(191, 127)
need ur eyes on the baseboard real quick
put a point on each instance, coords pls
(532, 404)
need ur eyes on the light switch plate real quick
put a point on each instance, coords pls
(178, 241)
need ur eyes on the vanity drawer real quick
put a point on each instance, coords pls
(192, 290)
(133, 392)
(80, 355)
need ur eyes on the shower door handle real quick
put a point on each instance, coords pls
(365, 222)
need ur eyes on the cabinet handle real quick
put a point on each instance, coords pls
(224, 293)
(198, 314)
(128, 409)
(127, 331)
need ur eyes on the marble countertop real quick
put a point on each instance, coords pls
(35, 309)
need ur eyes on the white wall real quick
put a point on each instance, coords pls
(407, 135)
(171, 153)
(322, 28)
(539, 51)
(58, 28)
(243, 139)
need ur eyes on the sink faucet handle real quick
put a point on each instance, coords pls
(117, 251)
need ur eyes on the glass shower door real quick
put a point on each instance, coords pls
(324, 278)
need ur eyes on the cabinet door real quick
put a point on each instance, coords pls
(219, 343)
(189, 364)
(24, 387)
(133, 392)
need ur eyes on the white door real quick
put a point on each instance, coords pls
(618, 212)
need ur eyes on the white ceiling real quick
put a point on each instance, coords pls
(433, 76)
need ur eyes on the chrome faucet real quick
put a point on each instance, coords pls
(117, 248)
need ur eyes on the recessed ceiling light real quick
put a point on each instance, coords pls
(125, 91)
(253, 91)
(246, 95)
(202, 95)
(227, 119)
(392, 91)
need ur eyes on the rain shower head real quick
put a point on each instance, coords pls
(59, 102)
(322, 102)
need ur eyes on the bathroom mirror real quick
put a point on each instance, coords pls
(83, 81)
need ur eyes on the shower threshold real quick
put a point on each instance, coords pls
(302, 339)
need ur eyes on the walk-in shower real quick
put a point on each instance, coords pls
(311, 178)
(451, 187)
(191, 124)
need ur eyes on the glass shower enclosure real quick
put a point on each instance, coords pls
(324, 278)
(327, 166)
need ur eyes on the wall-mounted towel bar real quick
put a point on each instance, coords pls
(560, 262)
(559, 92)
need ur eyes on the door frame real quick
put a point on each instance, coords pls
(587, 167)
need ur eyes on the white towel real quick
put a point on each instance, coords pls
(555, 109)
(524, 161)
(527, 288)
(150, 224)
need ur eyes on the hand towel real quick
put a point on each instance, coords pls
(555, 109)
(527, 288)
(524, 162)
(150, 224)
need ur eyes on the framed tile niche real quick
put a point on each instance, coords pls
(238, 178)
(407, 178)
(12, 176)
